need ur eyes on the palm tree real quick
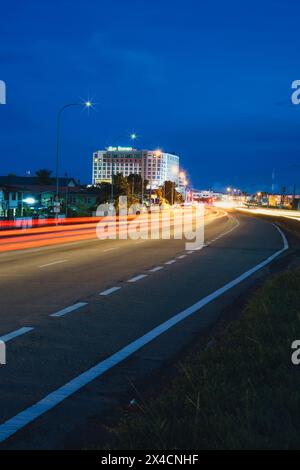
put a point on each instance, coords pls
(44, 176)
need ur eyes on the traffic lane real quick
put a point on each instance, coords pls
(15, 240)
(29, 293)
(21, 262)
(60, 349)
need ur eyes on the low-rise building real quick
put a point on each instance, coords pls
(22, 196)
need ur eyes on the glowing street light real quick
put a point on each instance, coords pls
(29, 200)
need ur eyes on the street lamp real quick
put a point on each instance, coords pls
(29, 200)
(86, 104)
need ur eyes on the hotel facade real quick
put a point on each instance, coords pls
(153, 165)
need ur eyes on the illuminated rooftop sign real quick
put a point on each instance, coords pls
(119, 149)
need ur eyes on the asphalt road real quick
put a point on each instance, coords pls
(77, 334)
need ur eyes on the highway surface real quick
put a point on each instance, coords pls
(288, 214)
(85, 323)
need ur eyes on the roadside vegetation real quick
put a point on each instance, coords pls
(242, 392)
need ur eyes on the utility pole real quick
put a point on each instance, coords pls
(112, 180)
(273, 181)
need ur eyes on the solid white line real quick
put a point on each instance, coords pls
(158, 268)
(14, 334)
(68, 309)
(137, 278)
(110, 291)
(54, 262)
(28, 415)
(190, 252)
(171, 261)
(181, 256)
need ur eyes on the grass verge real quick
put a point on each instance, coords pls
(242, 393)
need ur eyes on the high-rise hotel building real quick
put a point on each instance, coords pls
(154, 165)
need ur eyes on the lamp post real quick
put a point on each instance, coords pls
(87, 104)
(185, 183)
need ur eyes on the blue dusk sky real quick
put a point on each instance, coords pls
(210, 81)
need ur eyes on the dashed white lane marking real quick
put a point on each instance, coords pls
(68, 309)
(54, 262)
(14, 334)
(157, 268)
(181, 256)
(137, 278)
(190, 252)
(109, 249)
(171, 261)
(110, 291)
(47, 403)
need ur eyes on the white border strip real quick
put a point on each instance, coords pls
(16, 333)
(157, 268)
(28, 415)
(53, 263)
(137, 278)
(110, 291)
(68, 309)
